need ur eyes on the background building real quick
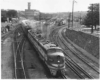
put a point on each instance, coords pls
(30, 13)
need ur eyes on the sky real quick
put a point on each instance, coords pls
(50, 6)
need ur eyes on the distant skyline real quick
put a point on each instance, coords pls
(49, 6)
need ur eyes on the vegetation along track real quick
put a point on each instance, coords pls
(69, 62)
(19, 68)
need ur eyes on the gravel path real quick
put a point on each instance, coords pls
(7, 59)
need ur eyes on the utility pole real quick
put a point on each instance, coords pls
(92, 20)
(69, 19)
(80, 18)
(72, 11)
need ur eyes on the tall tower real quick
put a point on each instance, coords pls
(29, 5)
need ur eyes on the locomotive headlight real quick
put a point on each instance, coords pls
(58, 61)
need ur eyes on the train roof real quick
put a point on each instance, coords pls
(50, 46)
(53, 49)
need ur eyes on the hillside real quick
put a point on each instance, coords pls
(63, 15)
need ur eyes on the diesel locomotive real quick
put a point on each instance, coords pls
(50, 53)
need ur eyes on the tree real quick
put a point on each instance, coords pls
(3, 15)
(12, 13)
(92, 17)
(69, 16)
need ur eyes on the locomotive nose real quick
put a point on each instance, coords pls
(58, 59)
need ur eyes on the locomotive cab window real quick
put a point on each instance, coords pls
(53, 50)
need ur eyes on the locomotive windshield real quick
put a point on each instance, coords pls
(53, 50)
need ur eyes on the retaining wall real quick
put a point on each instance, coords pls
(86, 41)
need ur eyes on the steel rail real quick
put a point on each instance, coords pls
(22, 59)
(4, 36)
(84, 60)
(68, 64)
(64, 76)
(18, 55)
(77, 67)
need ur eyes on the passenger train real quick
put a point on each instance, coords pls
(51, 54)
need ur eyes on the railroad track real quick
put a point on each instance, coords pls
(76, 68)
(63, 76)
(84, 58)
(70, 63)
(4, 36)
(53, 32)
(19, 68)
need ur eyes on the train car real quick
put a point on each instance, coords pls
(55, 58)
(51, 54)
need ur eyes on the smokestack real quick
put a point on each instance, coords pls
(29, 5)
